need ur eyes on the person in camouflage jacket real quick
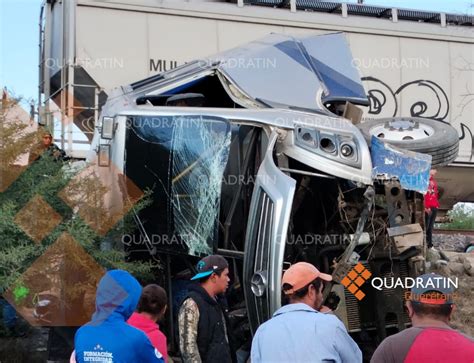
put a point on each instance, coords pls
(202, 323)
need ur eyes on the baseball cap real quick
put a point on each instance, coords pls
(301, 274)
(432, 289)
(208, 265)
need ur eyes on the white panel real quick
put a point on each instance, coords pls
(233, 34)
(462, 97)
(112, 45)
(177, 39)
(303, 31)
(425, 88)
(54, 60)
(374, 57)
(118, 47)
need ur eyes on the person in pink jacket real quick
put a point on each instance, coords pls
(151, 308)
(431, 202)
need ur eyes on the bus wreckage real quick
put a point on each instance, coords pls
(261, 164)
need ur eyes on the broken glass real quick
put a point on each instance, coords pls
(200, 152)
(183, 160)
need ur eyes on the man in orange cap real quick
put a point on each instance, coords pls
(298, 332)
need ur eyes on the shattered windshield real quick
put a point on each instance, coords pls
(182, 159)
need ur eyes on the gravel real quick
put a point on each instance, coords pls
(455, 242)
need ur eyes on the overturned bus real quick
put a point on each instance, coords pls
(267, 165)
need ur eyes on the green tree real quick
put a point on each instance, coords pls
(461, 216)
(48, 245)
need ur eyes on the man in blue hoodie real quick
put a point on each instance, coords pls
(108, 337)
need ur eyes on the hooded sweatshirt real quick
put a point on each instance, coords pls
(108, 337)
(431, 196)
(152, 331)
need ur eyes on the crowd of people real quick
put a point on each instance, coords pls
(124, 326)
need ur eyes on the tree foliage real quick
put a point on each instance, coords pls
(461, 216)
(45, 179)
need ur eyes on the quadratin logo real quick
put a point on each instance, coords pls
(355, 279)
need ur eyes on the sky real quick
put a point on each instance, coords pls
(19, 46)
(19, 37)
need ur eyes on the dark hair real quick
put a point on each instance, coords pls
(152, 300)
(301, 293)
(437, 311)
(218, 272)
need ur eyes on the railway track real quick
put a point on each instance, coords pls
(466, 232)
